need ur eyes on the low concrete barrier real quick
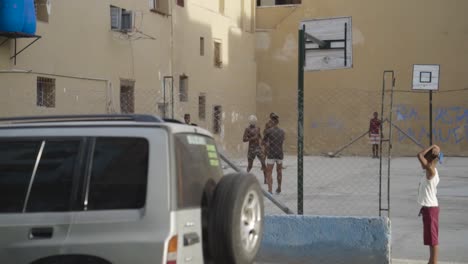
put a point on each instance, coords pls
(320, 239)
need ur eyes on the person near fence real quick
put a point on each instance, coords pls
(427, 198)
(253, 135)
(273, 140)
(268, 124)
(374, 134)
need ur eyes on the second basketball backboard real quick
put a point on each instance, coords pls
(426, 77)
(328, 43)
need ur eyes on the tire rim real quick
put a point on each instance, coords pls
(251, 220)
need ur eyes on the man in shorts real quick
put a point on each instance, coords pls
(253, 136)
(273, 140)
(427, 198)
(374, 134)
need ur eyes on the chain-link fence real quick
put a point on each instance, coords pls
(341, 176)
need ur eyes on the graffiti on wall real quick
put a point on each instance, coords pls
(450, 124)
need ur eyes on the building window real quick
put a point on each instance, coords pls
(127, 96)
(217, 119)
(202, 106)
(288, 2)
(183, 88)
(218, 61)
(159, 6)
(221, 6)
(121, 19)
(45, 95)
(278, 2)
(202, 46)
(42, 12)
(181, 3)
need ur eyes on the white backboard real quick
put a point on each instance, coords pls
(337, 32)
(426, 77)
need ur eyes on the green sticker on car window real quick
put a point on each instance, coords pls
(196, 140)
(214, 162)
(212, 155)
(211, 148)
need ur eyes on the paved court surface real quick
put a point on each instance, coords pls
(349, 186)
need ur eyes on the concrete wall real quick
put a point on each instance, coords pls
(72, 96)
(386, 36)
(320, 239)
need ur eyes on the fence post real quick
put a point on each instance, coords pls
(300, 124)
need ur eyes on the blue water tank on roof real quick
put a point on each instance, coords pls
(11, 15)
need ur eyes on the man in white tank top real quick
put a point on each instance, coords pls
(427, 198)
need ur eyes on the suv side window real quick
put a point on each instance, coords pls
(17, 159)
(198, 169)
(118, 174)
(52, 187)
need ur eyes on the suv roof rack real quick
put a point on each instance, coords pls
(67, 118)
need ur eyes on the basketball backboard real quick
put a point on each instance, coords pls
(328, 43)
(426, 77)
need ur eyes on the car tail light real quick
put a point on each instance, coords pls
(172, 251)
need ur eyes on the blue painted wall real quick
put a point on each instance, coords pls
(321, 239)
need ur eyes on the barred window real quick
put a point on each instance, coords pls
(45, 92)
(202, 106)
(183, 88)
(202, 46)
(217, 119)
(127, 96)
(218, 61)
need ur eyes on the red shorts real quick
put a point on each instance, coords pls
(430, 217)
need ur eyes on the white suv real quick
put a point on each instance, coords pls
(121, 189)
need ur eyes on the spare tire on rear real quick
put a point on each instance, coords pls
(235, 222)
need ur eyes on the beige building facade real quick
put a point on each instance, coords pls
(386, 35)
(221, 61)
(162, 57)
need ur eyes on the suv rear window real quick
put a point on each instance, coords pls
(119, 174)
(198, 168)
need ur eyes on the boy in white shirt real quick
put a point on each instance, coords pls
(427, 198)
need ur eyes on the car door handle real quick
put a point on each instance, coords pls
(41, 233)
(190, 239)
